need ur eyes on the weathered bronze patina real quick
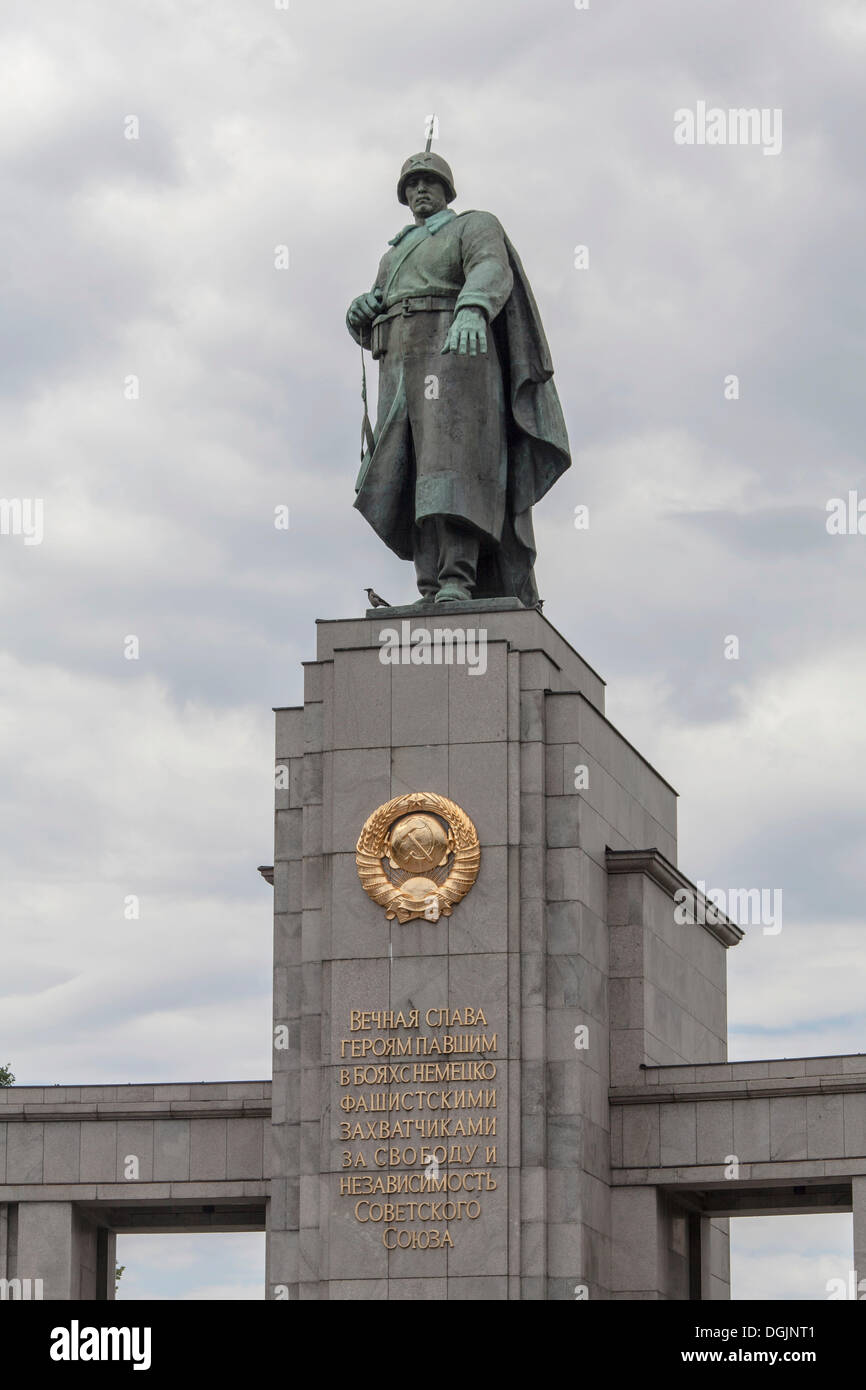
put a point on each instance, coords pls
(470, 433)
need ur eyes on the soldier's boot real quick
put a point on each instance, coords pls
(458, 561)
(426, 561)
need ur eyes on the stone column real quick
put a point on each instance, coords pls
(57, 1243)
(637, 1243)
(283, 1207)
(858, 1198)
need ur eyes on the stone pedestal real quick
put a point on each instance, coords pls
(570, 978)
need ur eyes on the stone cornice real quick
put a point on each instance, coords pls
(654, 864)
(746, 1090)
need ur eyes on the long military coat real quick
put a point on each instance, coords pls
(481, 438)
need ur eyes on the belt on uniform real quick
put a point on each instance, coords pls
(419, 304)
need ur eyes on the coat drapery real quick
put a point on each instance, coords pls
(481, 439)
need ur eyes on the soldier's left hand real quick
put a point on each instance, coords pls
(468, 333)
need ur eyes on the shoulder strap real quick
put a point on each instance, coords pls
(400, 255)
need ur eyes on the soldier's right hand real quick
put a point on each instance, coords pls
(365, 308)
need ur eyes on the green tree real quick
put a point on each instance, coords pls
(118, 1275)
(6, 1077)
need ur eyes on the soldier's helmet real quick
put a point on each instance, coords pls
(426, 163)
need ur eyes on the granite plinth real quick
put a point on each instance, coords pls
(472, 605)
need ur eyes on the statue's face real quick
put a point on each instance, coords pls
(425, 195)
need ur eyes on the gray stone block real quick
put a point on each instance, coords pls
(314, 724)
(532, 819)
(47, 1248)
(288, 834)
(533, 1288)
(358, 927)
(858, 1200)
(854, 1110)
(421, 768)
(564, 1141)
(532, 1187)
(563, 928)
(532, 861)
(478, 782)
(311, 988)
(358, 1290)
(825, 1130)
(788, 1127)
(311, 882)
(24, 1153)
(311, 770)
(421, 982)
(135, 1140)
(627, 1055)
(481, 981)
(532, 980)
(480, 922)
(417, 1290)
(354, 1252)
(294, 886)
(61, 1153)
(419, 696)
(417, 1264)
(641, 1138)
(311, 840)
(530, 768)
(565, 1196)
(171, 1150)
(331, 636)
(420, 937)
(361, 985)
(565, 875)
(208, 1150)
(677, 1135)
(478, 703)
(563, 813)
(289, 733)
(361, 782)
(481, 1245)
(531, 716)
(752, 1129)
(627, 1003)
(314, 689)
(311, 934)
(565, 1256)
(478, 1288)
(563, 724)
(98, 1150)
(362, 701)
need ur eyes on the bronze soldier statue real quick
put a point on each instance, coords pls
(469, 432)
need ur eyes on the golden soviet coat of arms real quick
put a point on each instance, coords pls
(417, 856)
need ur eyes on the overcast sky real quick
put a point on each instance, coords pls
(154, 258)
